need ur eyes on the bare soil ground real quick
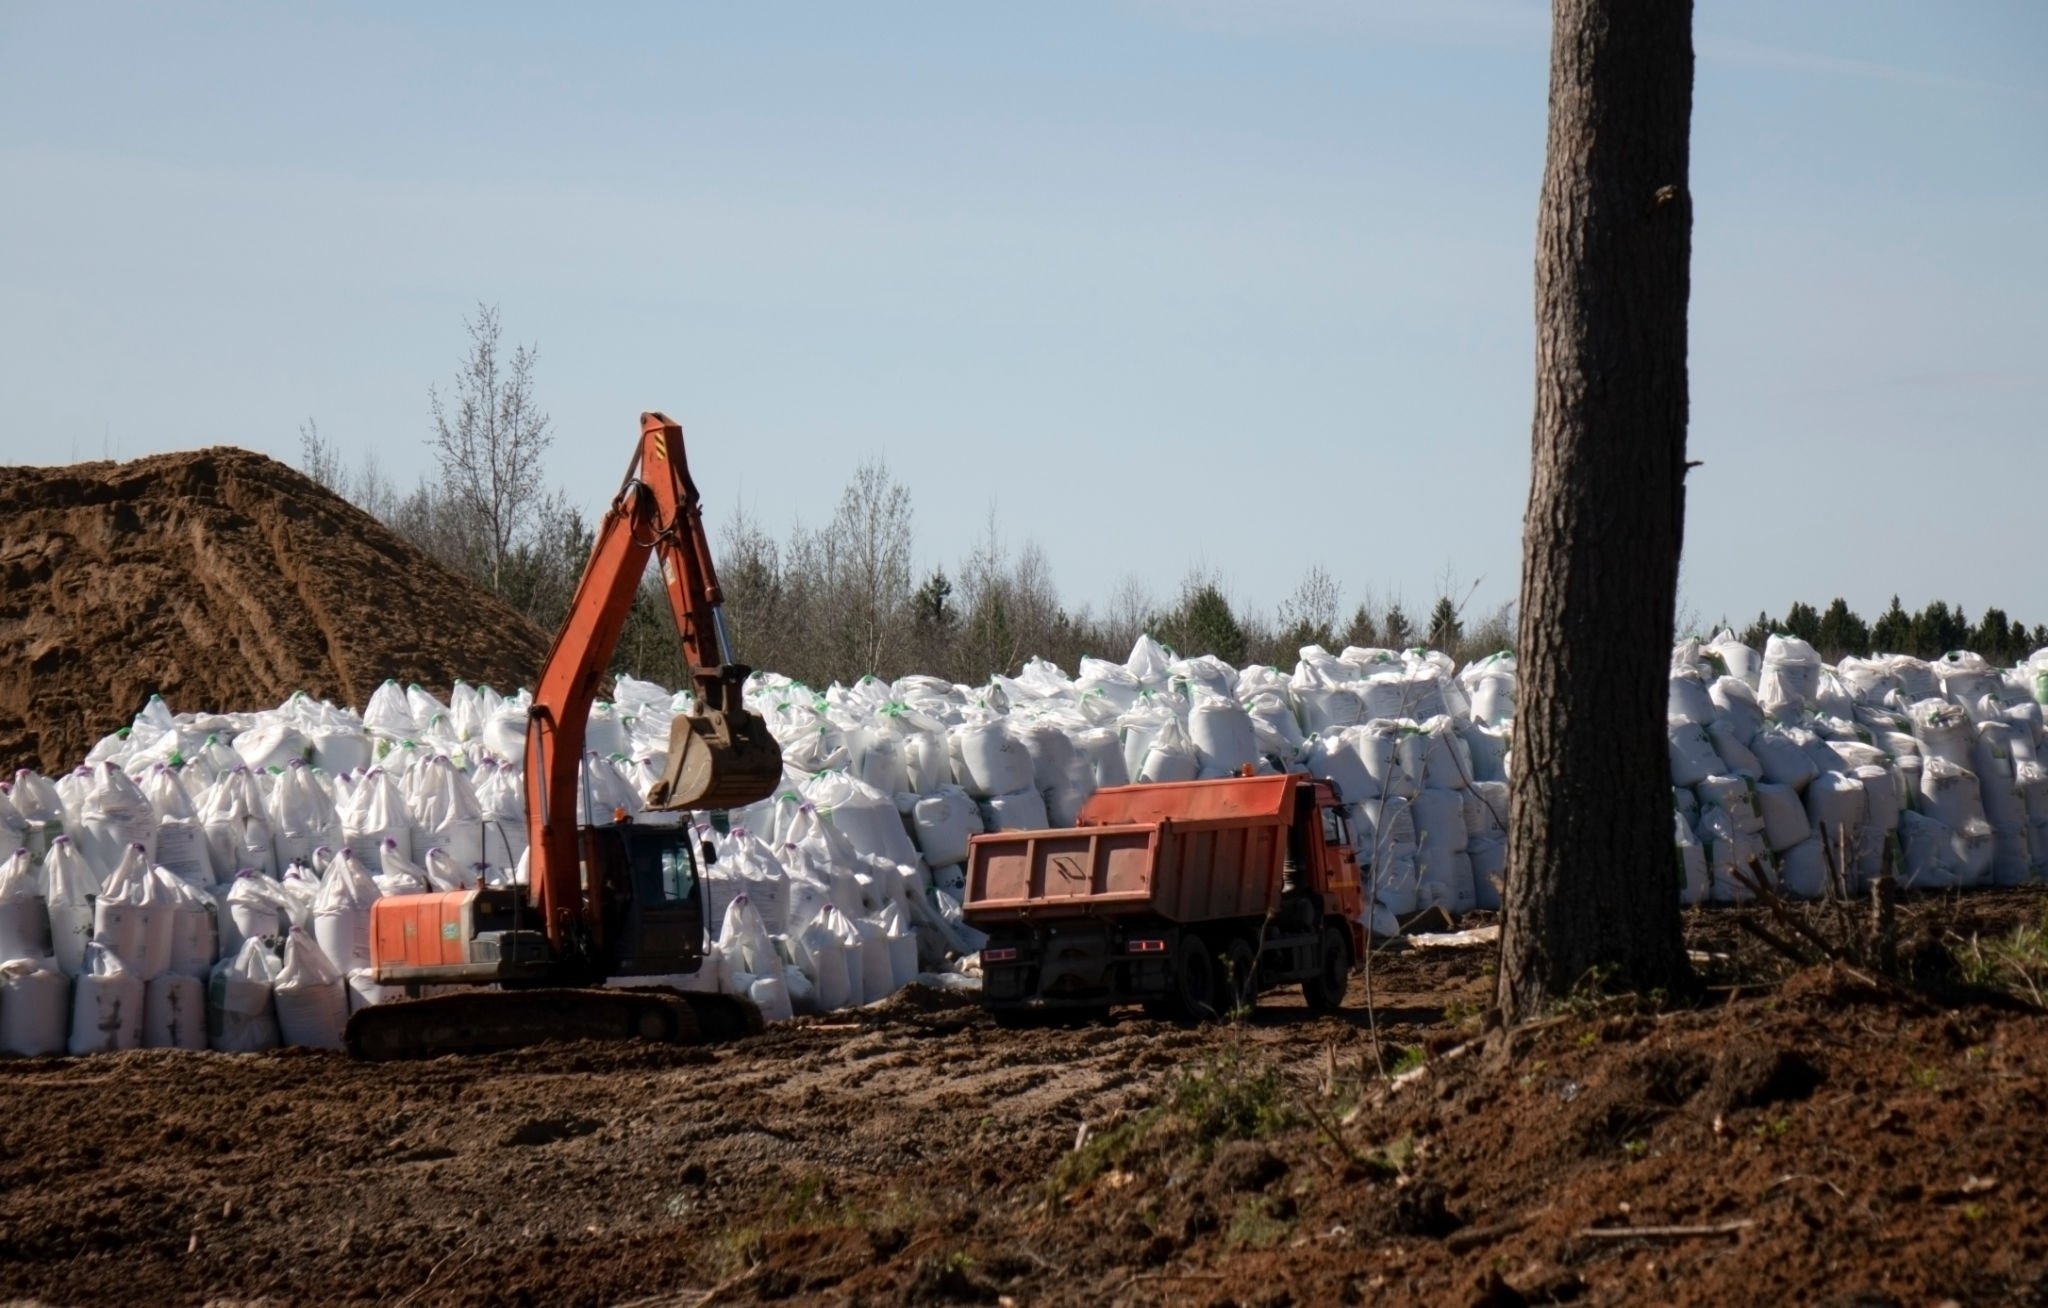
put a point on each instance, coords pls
(225, 581)
(1809, 1136)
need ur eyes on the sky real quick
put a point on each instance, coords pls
(1243, 286)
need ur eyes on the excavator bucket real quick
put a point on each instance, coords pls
(718, 758)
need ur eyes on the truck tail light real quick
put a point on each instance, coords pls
(998, 955)
(1146, 946)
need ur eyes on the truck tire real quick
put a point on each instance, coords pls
(1324, 992)
(1237, 985)
(1194, 981)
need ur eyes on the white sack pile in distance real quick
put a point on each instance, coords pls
(207, 878)
(1810, 774)
(908, 772)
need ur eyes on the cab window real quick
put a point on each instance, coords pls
(1333, 828)
(678, 873)
(663, 871)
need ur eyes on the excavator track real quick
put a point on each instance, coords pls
(486, 1021)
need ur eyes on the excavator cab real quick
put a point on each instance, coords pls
(653, 898)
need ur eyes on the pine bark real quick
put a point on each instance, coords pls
(1592, 884)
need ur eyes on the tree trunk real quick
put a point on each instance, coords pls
(1592, 885)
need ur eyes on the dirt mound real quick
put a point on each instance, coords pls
(221, 580)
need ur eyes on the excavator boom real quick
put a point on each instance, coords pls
(720, 754)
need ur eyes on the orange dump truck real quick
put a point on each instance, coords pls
(1188, 897)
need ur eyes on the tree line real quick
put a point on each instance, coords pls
(1934, 631)
(837, 602)
(848, 599)
(842, 601)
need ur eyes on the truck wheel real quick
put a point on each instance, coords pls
(1194, 981)
(1237, 990)
(1324, 992)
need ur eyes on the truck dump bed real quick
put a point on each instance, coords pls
(1188, 852)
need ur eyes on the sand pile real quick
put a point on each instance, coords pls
(223, 580)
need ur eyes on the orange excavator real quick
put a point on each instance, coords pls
(608, 897)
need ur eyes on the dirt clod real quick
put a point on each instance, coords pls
(1641, 1090)
(1421, 1209)
(1247, 1165)
(1750, 1075)
(550, 1130)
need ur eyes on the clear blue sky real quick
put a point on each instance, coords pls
(1180, 282)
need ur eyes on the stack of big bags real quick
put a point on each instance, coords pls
(909, 772)
(206, 879)
(1815, 777)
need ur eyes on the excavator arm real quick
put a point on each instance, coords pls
(720, 754)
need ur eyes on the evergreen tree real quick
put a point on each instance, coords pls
(1396, 630)
(1929, 627)
(1363, 631)
(1957, 633)
(1842, 632)
(1993, 637)
(1939, 628)
(990, 633)
(1204, 624)
(932, 606)
(1288, 642)
(1445, 631)
(1893, 633)
(1801, 621)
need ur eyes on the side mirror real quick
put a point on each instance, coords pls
(708, 851)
